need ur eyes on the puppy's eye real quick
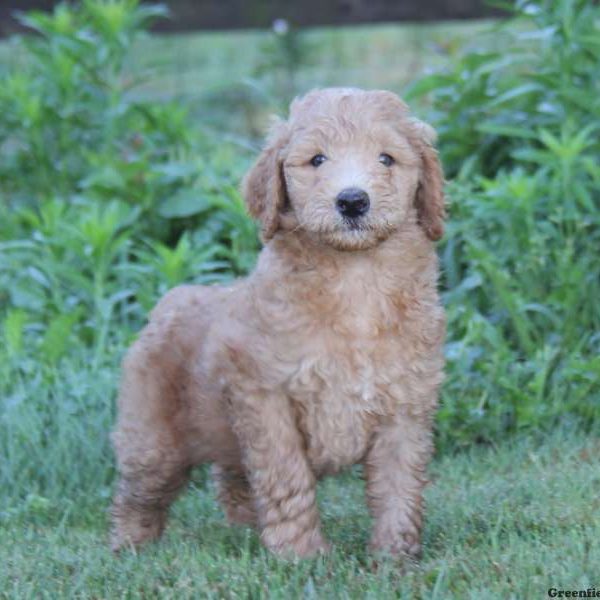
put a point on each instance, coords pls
(317, 160)
(386, 159)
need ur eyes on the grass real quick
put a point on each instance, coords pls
(506, 522)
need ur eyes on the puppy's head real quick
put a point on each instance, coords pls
(349, 167)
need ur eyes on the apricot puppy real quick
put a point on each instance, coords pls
(329, 354)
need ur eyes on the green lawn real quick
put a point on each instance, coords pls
(501, 523)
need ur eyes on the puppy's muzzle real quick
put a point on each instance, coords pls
(352, 203)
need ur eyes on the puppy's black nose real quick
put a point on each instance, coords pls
(352, 203)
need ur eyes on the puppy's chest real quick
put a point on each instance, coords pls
(348, 361)
(339, 398)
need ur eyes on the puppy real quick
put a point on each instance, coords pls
(329, 354)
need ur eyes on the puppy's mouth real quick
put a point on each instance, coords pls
(355, 224)
(358, 233)
(350, 233)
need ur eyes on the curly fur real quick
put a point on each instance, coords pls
(329, 354)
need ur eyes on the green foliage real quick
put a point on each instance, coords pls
(520, 130)
(108, 200)
(66, 118)
(98, 185)
(282, 55)
(537, 71)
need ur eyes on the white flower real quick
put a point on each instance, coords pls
(280, 26)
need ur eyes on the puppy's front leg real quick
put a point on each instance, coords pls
(277, 468)
(395, 471)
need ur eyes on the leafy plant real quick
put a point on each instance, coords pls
(281, 57)
(535, 71)
(108, 199)
(520, 131)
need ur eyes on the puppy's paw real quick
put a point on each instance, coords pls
(406, 546)
(240, 514)
(316, 545)
(305, 544)
(132, 529)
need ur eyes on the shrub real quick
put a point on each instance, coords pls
(536, 71)
(519, 131)
(107, 199)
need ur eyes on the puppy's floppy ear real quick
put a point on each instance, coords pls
(429, 200)
(263, 187)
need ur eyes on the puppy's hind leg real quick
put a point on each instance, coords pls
(141, 503)
(235, 495)
(152, 463)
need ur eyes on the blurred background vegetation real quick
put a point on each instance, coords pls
(120, 157)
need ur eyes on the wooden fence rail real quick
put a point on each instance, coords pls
(189, 15)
